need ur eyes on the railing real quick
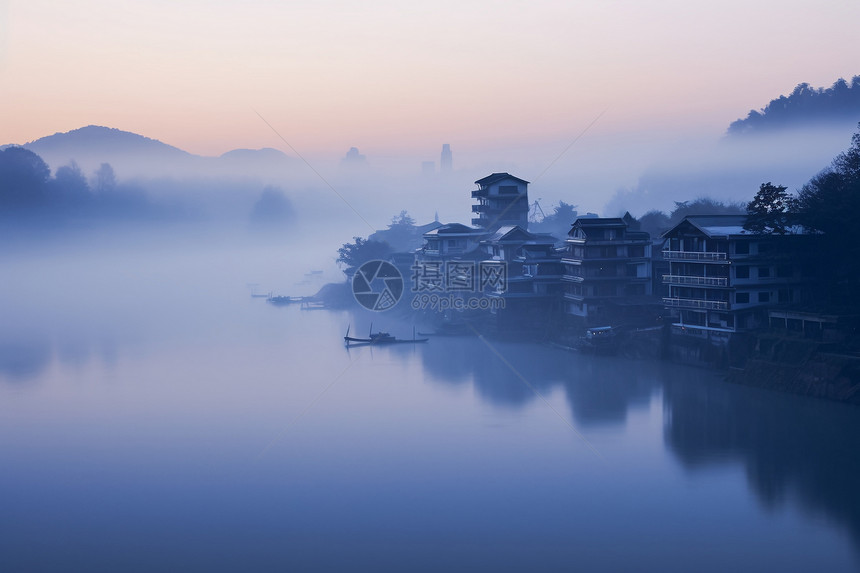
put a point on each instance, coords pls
(694, 255)
(694, 303)
(696, 281)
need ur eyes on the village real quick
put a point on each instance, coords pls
(709, 291)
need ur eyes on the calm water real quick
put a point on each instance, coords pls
(154, 417)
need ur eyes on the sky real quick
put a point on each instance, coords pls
(393, 77)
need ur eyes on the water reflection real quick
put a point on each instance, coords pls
(24, 358)
(794, 449)
(599, 389)
(416, 449)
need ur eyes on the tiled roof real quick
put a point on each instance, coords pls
(455, 229)
(494, 177)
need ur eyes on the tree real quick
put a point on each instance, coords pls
(353, 255)
(558, 222)
(104, 179)
(71, 182)
(272, 209)
(23, 178)
(703, 206)
(403, 219)
(770, 210)
(401, 234)
(654, 222)
(830, 203)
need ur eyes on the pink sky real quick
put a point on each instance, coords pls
(391, 78)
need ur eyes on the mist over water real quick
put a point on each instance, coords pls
(153, 415)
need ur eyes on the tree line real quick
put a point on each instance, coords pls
(31, 197)
(804, 105)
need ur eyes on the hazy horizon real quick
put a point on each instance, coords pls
(610, 107)
(386, 79)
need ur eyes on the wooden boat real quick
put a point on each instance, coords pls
(600, 339)
(380, 338)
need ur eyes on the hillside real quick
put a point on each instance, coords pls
(134, 155)
(805, 106)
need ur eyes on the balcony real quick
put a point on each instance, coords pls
(695, 281)
(696, 303)
(693, 256)
(480, 193)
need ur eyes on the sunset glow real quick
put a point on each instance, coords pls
(391, 79)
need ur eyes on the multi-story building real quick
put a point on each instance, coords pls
(532, 277)
(502, 200)
(607, 272)
(451, 241)
(723, 278)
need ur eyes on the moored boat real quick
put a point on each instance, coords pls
(380, 338)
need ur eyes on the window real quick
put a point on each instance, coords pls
(783, 271)
(764, 247)
(635, 251)
(763, 272)
(742, 298)
(742, 272)
(742, 248)
(764, 297)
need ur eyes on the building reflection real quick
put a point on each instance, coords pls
(793, 448)
(598, 389)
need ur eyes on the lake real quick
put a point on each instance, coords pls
(156, 417)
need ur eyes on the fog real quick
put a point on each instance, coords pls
(329, 196)
(152, 406)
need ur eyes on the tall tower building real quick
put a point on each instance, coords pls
(447, 163)
(502, 200)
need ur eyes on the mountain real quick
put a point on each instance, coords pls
(805, 106)
(133, 155)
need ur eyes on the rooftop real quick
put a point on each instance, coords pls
(495, 177)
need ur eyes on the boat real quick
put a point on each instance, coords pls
(380, 338)
(600, 339)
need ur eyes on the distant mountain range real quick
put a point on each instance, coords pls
(133, 155)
